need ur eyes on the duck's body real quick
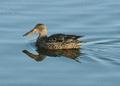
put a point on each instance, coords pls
(56, 41)
(59, 41)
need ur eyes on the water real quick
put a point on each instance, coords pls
(96, 20)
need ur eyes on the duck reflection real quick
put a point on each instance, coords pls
(73, 54)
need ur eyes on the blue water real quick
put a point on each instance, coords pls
(98, 21)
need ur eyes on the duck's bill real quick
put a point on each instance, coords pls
(30, 33)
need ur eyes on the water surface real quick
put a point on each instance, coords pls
(97, 20)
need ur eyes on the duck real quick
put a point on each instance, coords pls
(55, 41)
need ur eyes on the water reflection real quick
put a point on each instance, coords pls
(73, 54)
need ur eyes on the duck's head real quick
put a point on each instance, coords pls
(41, 29)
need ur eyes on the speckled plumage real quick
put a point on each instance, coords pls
(59, 41)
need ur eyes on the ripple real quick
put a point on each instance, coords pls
(104, 51)
(96, 20)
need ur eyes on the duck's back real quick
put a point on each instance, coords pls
(63, 38)
(61, 41)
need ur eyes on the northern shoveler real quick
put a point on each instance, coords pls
(55, 41)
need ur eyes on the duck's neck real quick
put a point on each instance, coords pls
(40, 40)
(43, 38)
